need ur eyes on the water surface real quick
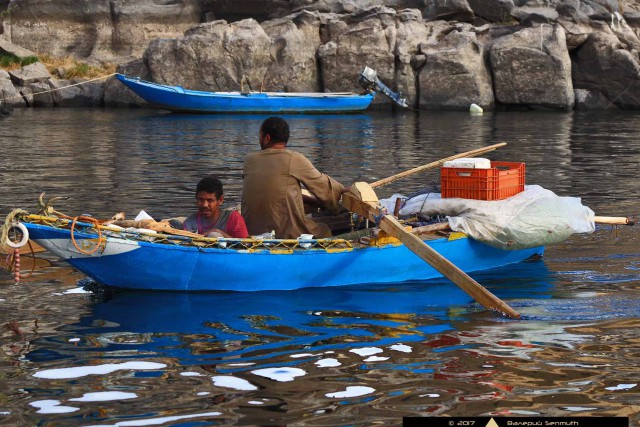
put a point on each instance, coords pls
(363, 355)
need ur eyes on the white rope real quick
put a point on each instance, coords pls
(59, 88)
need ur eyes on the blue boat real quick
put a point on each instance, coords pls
(136, 258)
(178, 99)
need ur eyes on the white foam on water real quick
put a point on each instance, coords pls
(283, 374)
(522, 412)
(191, 374)
(375, 359)
(83, 371)
(578, 408)
(352, 391)
(103, 396)
(328, 363)
(228, 381)
(52, 407)
(401, 347)
(72, 291)
(621, 387)
(158, 421)
(366, 351)
(296, 356)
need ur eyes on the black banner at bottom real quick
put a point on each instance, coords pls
(515, 421)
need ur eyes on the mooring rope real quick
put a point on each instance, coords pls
(56, 89)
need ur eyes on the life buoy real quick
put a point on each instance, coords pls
(25, 236)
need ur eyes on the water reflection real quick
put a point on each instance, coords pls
(212, 328)
(372, 354)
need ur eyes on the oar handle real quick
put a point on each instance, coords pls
(435, 164)
(614, 220)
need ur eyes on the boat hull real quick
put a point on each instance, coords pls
(178, 99)
(136, 264)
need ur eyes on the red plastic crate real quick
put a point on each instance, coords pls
(502, 180)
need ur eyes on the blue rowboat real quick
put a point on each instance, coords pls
(138, 259)
(178, 99)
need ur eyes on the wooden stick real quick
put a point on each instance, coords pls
(440, 226)
(614, 220)
(362, 200)
(160, 226)
(435, 164)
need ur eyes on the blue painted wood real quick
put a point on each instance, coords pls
(178, 99)
(138, 264)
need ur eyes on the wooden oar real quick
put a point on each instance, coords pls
(362, 200)
(435, 164)
(614, 220)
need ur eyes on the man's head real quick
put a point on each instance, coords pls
(273, 130)
(209, 196)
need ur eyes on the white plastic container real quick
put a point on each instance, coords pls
(468, 162)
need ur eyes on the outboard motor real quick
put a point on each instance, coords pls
(369, 80)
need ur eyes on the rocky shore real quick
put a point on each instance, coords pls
(440, 54)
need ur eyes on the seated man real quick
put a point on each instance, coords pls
(272, 197)
(211, 220)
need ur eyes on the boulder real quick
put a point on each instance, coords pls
(410, 32)
(117, 94)
(32, 73)
(38, 94)
(591, 100)
(496, 11)
(77, 93)
(294, 42)
(365, 40)
(448, 10)
(336, 6)
(531, 67)
(215, 56)
(603, 66)
(8, 93)
(455, 74)
(535, 14)
(9, 48)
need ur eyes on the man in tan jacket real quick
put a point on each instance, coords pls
(272, 196)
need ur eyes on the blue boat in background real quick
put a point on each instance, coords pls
(178, 99)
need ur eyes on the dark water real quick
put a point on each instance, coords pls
(323, 357)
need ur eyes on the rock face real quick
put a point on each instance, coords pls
(98, 30)
(455, 74)
(532, 67)
(439, 54)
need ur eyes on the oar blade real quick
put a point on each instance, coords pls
(362, 200)
(478, 292)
